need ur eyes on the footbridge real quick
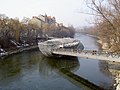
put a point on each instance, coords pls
(93, 54)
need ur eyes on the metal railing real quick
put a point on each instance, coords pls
(89, 54)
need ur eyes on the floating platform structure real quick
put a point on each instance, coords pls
(72, 47)
(67, 43)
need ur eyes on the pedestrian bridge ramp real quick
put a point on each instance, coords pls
(93, 54)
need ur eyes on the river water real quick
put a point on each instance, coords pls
(30, 70)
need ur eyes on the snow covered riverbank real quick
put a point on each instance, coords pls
(3, 53)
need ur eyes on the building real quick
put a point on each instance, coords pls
(41, 19)
(36, 21)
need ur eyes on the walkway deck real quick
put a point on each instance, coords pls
(100, 55)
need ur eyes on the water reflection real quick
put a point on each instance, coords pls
(104, 68)
(31, 71)
(111, 69)
(25, 71)
(48, 66)
(65, 67)
(89, 67)
(17, 66)
(9, 68)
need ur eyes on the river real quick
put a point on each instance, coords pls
(30, 70)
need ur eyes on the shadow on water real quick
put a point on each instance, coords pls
(71, 64)
(66, 68)
(50, 66)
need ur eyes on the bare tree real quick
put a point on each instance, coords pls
(107, 13)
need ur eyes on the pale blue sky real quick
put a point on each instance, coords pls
(65, 11)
